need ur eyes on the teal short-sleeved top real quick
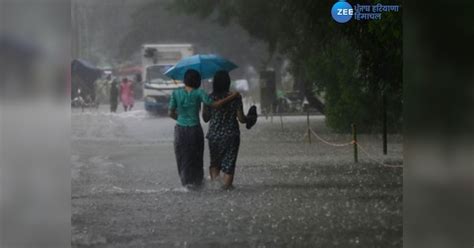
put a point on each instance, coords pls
(187, 104)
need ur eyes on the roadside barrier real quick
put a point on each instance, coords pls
(377, 161)
(353, 142)
(356, 145)
(329, 143)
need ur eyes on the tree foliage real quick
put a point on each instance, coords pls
(353, 65)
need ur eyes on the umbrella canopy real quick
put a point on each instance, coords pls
(83, 76)
(206, 64)
(133, 70)
(85, 70)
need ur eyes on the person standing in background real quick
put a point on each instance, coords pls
(126, 94)
(114, 93)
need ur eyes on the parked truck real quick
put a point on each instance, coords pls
(156, 59)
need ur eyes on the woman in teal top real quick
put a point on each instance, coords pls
(184, 107)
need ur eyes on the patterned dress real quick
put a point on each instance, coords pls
(224, 134)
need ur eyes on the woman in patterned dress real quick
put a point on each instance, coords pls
(224, 133)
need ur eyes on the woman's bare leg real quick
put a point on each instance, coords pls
(228, 180)
(214, 172)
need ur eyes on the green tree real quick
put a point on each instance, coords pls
(355, 64)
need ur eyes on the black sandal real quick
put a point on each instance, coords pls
(251, 117)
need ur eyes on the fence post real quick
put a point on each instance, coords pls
(384, 120)
(309, 128)
(354, 139)
(281, 121)
(271, 115)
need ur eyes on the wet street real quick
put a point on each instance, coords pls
(288, 193)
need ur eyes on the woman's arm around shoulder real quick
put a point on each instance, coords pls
(229, 98)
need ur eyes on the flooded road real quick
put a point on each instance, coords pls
(126, 190)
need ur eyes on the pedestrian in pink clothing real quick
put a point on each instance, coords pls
(126, 94)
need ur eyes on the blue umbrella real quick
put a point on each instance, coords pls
(206, 64)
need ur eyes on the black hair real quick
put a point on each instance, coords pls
(192, 78)
(221, 83)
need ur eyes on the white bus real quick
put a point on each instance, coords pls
(156, 59)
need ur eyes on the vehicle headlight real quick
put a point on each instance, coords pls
(150, 99)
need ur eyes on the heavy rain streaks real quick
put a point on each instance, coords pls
(309, 79)
(126, 191)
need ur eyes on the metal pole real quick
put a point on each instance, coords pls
(281, 120)
(384, 120)
(309, 128)
(271, 114)
(354, 138)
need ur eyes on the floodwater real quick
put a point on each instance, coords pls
(288, 193)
